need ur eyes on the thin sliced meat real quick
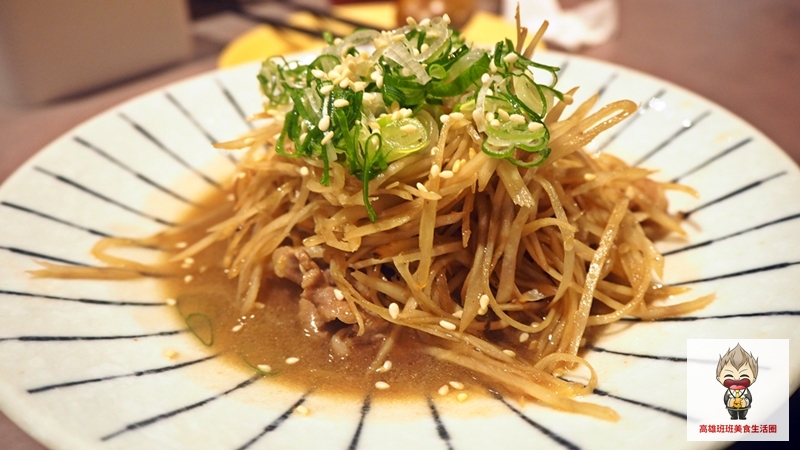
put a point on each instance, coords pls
(294, 264)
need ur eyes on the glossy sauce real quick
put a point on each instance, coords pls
(272, 334)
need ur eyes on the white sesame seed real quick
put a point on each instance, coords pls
(325, 90)
(319, 74)
(458, 314)
(237, 327)
(393, 185)
(510, 353)
(405, 71)
(324, 123)
(422, 187)
(446, 19)
(302, 410)
(444, 390)
(188, 279)
(344, 83)
(230, 197)
(181, 245)
(379, 82)
(304, 171)
(457, 165)
(444, 118)
(264, 368)
(434, 150)
(447, 325)
(490, 116)
(359, 86)
(327, 138)
(511, 58)
(338, 294)
(456, 385)
(589, 176)
(394, 310)
(435, 170)
(492, 66)
(337, 41)
(472, 153)
(533, 126)
(517, 119)
(415, 52)
(172, 302)
(382, 385)
(484, 301)
(456, 116)
(524, 337)
(495, 123)
(485, 78)
(411, 21)
(407, 128)
(340, 103)
(424, 47)
(462, 397)
(258, 305)
(387, 366)
(503, 114)
(425, 23)
(292, 360)
(446, 174)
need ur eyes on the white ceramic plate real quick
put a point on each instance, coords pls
(82, 361)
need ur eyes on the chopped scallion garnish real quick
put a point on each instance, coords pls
(364, 108)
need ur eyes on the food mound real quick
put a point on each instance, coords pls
(421, 189)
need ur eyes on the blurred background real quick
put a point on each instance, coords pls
(63, 62)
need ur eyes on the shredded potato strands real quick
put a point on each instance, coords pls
(490, 245)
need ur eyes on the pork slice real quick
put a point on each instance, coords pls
(294, 264)
(309, 317)
(287, 264)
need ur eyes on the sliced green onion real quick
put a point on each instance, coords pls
(425, 68)
(402, 137)
(200, 325)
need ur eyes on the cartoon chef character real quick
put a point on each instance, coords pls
(737, 370)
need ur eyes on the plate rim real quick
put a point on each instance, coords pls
(54, 435)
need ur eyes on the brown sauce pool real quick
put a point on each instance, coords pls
(273, 334)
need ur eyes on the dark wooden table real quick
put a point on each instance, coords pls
(741, 54)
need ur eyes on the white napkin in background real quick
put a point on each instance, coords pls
(590, 23)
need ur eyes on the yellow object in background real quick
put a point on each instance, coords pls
(264, 41)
